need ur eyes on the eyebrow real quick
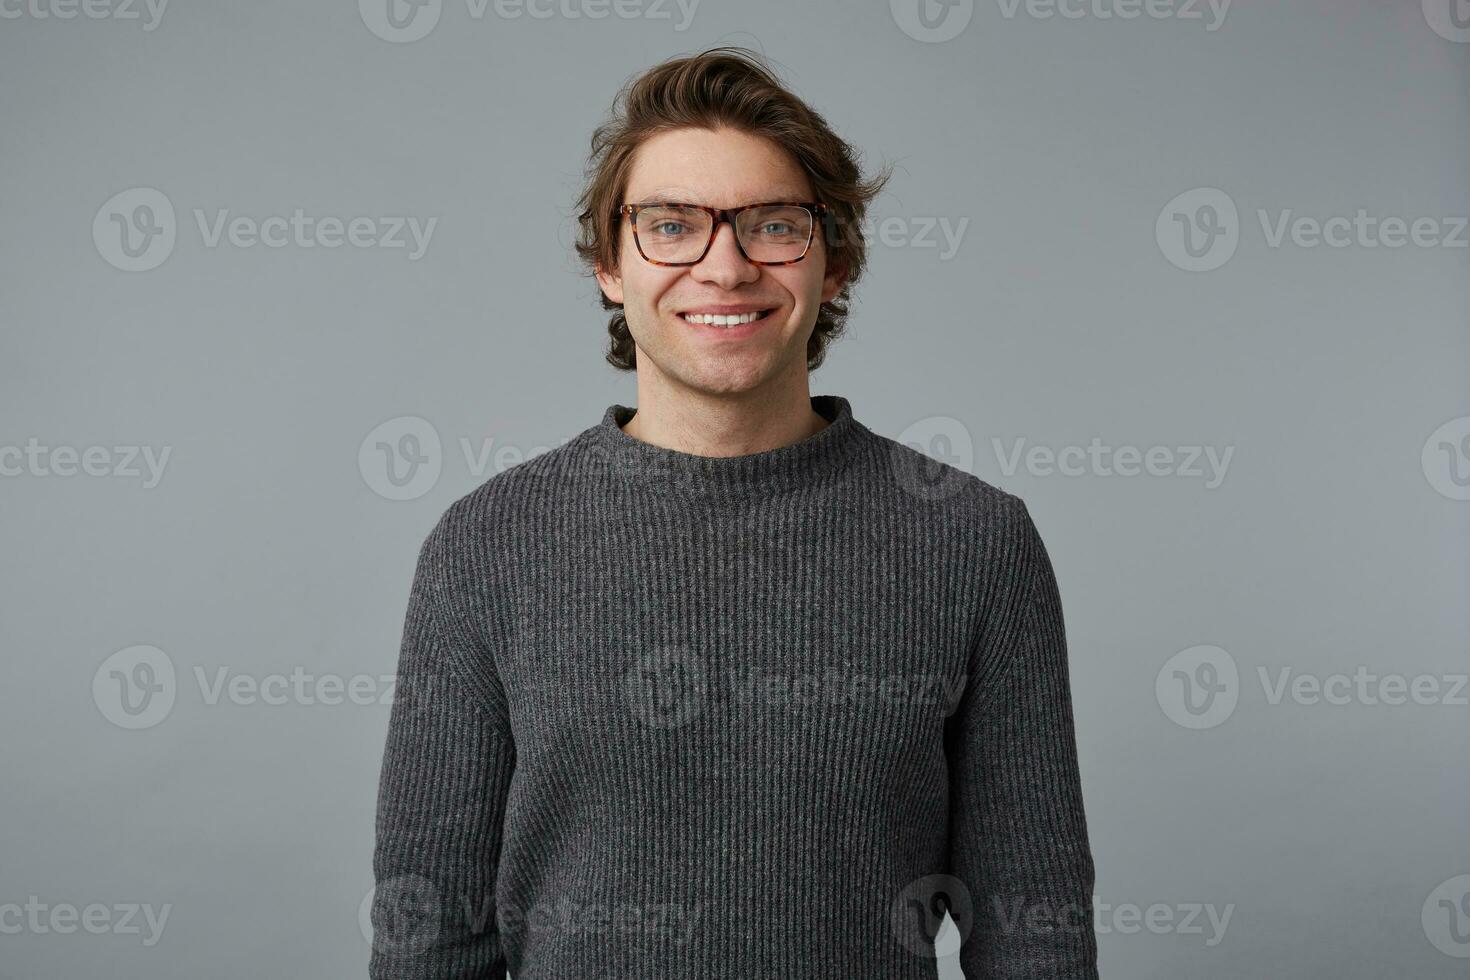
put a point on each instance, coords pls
(675, 195)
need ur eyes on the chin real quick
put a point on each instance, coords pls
(715, 381)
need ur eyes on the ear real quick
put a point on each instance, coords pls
(612, 286)
(833, 282)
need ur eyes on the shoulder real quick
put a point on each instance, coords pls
(986, 529)
(937, 489)
(493, 516)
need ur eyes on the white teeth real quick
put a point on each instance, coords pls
(721, 321)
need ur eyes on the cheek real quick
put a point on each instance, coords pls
(647, 286)
(645, 294)
(805, 288)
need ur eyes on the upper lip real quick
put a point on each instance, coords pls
(728, 309)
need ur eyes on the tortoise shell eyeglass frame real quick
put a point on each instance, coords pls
(819, 214)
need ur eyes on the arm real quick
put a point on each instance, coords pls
(1018, 832)
(441, 795)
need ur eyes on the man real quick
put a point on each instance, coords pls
(730, 686)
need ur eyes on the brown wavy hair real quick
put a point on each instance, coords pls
(723, 87)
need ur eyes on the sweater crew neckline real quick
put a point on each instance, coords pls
(811, 460)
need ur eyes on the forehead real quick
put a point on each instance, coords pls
(720, 168)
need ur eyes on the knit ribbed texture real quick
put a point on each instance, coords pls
(670, 717)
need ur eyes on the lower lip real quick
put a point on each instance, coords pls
(736, 332)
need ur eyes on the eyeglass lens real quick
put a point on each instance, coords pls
(777, 233)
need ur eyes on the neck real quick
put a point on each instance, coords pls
(716, 483)
(722, 424)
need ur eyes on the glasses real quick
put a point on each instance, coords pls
(774, 233)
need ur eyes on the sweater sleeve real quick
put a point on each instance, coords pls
(445, 773)
(1018, 832)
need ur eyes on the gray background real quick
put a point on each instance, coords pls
(1334, 541)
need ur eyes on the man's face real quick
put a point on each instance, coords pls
(720, 168)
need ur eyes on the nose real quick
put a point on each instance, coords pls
(724, 265)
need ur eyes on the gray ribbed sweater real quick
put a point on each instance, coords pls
(671, 717)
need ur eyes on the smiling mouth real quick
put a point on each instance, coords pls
(718, 320)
